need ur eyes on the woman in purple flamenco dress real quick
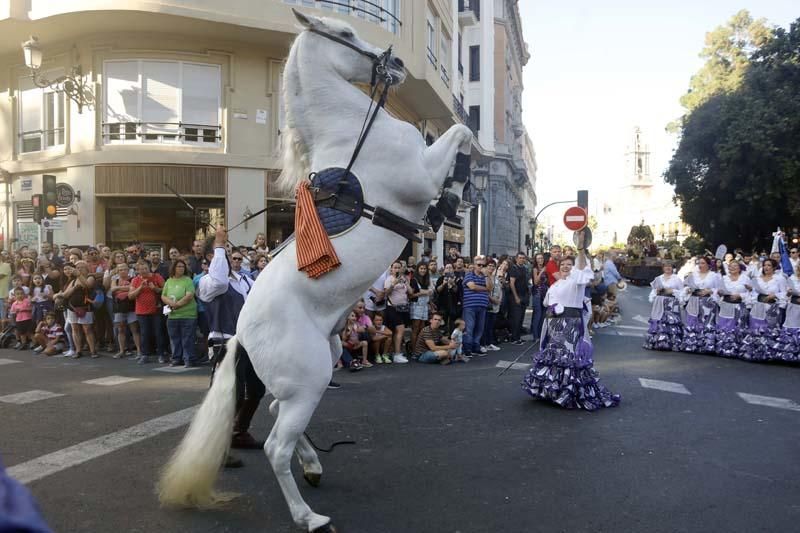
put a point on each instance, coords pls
(762, 343)
(700, 316)
(789, 341)
(666, 330)
(733, 317)
(562, 371)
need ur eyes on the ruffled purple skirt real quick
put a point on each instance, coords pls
(700, 332)
(763, 340)
(667, 333)
(731, 332)
(562, 371)
(789, 345)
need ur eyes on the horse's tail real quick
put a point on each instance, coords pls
(188, 478)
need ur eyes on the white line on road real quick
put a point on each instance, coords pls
(29, 397)
(176, 369)
(515, 366)
(111, 380)
(640, 318)
(637, 328)
(667, 386)
(769, 401)
(52, 463)
(8, 361)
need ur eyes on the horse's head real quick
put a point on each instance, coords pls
(354, 59)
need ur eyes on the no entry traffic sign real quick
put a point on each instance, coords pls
(575, 218)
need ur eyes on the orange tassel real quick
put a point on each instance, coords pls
(315, 253)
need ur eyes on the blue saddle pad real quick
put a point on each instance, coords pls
(333, 220)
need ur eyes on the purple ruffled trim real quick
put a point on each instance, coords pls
(665, 334)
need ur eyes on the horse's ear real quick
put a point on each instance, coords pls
(307, 21)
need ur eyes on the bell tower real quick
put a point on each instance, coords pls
(637, 162)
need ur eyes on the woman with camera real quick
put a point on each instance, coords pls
(448, 296)
(398, 317)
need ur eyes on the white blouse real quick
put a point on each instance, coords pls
(570, 292)
(663, 282)
(742, 285)
(711, 281)
(777, 286)
(794, 285)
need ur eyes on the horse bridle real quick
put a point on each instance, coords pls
(380, 62)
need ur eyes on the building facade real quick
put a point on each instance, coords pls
(493, 54)
(186, 98)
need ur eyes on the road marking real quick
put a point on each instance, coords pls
(52, 463)
(667, 386)
(176, 369)
(8, 361)
(111, 380)
(637, 328)
(29, 397)
(769, 401)
(640, 318)
(514, 366)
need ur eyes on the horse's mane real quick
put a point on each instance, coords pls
(294, 151)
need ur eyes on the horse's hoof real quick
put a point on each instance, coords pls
(314, 480)
(327, 528)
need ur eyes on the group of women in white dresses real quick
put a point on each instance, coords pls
(730, 314)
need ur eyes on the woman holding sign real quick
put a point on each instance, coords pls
(563, 370)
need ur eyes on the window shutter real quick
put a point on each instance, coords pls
(160, 96)
(201, 94)
(30, 105)
(122, 91)
(474, 63)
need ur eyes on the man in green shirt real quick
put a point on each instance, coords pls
(178, 296)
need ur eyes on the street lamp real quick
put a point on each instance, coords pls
(520, 208)
(74, 85)
(480, 181)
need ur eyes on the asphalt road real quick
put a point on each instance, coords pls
(439, 449)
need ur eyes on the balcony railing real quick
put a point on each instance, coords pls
(445, 76)
(161, 133)
(461, 113)
(470, 5)
(372, 11)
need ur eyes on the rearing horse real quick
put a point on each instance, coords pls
(290, 323)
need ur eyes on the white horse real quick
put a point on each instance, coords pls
(290, 323)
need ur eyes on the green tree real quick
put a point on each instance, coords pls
(727, 55)
(736, 171)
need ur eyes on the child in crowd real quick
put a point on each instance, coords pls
(381, 340)
(23, 319)
(457, 353)
(49, 336)
(352, 342)
(16, 283)
(42, 298)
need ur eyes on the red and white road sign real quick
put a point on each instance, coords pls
(575, 218)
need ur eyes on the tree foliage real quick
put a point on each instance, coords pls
(736, 171)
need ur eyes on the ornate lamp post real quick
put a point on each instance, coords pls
(74, 85)
(480, 181)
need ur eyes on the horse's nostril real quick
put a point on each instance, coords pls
(396, 61)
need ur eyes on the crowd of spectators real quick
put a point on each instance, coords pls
(127, 302)
(132, 303)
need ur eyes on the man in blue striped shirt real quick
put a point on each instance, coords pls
(475, 302)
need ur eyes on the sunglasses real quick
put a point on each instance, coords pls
(236, 258)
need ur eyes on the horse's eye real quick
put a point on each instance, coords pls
(347, 34)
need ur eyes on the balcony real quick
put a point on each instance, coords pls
(460, 112)
(469, 12)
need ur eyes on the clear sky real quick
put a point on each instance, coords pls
(598, 69)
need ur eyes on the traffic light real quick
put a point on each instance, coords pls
(36, 201)
(49, 197)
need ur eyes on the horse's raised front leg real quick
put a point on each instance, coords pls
(312, 468)
(293, 416)
(440, 155)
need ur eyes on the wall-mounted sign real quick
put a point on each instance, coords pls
(26, 184)
(65, 195)
(261, 116)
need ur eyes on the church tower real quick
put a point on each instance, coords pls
(637, 162)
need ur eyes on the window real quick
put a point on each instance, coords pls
(163, 102)
(444, 58)
(474, 117)
(384, 13)
(431, 39)
(41, 116)
(460, 65)
(474, 63)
